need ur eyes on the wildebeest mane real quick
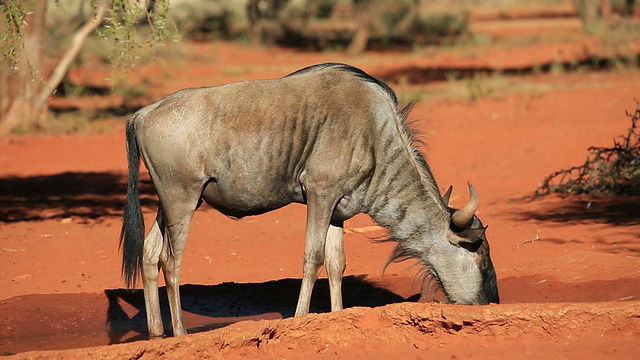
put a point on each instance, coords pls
(354, 71)
(430, 282)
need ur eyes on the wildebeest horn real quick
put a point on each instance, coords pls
(462, 217)
(447, 195)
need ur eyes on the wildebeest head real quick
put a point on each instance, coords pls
(462, 267)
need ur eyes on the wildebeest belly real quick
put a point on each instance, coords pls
(239, 197)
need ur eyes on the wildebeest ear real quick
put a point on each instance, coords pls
(447, 195)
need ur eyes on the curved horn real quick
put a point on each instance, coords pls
(462, 217)
(447, 195)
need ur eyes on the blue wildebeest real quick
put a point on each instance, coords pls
(329, 136)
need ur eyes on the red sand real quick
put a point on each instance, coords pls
(568, 268)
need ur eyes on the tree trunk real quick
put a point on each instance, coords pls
(360, 39)
(408, 19)
(588, 10)
(25, 92)
(64, 63)
(19, 87)
(628, 8)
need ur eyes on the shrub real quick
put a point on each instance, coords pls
(614, 170)
(440, 28)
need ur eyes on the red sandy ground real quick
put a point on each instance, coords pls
(568, 268)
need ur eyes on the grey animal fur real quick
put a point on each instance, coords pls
(329, 136)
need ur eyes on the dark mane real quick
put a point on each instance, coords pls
(353, 71)
(415, 139)
(429, 281)
(409, 129)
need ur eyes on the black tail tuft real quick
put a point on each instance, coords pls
(132, 234)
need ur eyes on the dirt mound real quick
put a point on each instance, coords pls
(402, 331)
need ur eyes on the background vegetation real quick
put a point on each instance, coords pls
(607, 170)
(41, 40)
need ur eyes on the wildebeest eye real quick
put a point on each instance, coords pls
(471, 238)
(471, 246)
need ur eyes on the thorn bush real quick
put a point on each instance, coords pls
(614, 170)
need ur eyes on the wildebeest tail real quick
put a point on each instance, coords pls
(132, 234)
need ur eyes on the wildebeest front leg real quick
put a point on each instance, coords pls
(150, 261)
(318, 216)
(335, 263)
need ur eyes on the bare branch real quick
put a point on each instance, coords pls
(65, 62)
(614, 170)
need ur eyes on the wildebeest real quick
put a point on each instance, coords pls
(329, 136)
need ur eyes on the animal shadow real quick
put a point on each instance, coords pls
(207, 307)
(613, 210)
(86, 195)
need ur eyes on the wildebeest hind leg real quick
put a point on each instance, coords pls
(153, 244)
(179, 204)
(335, 263)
